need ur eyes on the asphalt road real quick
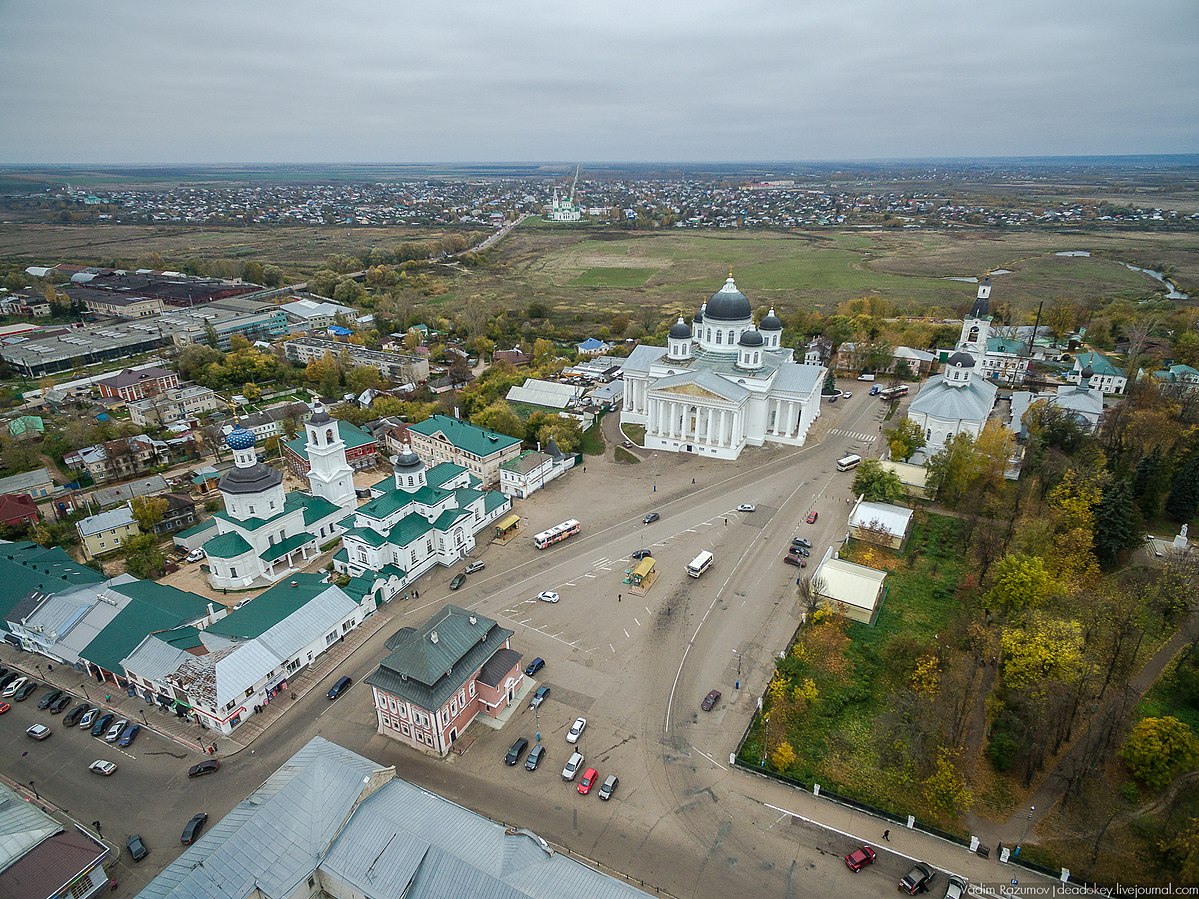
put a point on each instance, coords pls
(636, 667)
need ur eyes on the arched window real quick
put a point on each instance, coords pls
(928, 435)
(719, 336)
(329, 436)
(973, 334)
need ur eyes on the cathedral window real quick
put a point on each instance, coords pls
(720, 337)
(272, 505)
(329, 436)
(973, 335)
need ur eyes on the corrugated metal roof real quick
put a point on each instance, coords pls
(22, 826)
(105, 521)
(939, 399)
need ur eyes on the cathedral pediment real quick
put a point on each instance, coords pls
(688, 390)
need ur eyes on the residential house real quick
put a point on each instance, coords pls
(593, 347)
(103, 533)
(35, 484)
(269, 422)
(1178, 375)
(118, 459)
(41, 856)
(17, 509)
(132, 385)
(1083, 403)
(438, 676)
(440, 438)
(26, 567)
(1103, 375)
(180, 514)
(531, 470)
(402, 367)
(186, 403)
(121, 494)
(881, 523)
(514, 356)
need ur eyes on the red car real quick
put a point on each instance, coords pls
(860, 858)
(812, 516)
(710, 700)
(4, 707)
(797, 561)
(588, 781)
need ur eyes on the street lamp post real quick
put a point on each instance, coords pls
(143, 714)
(85, 693)
(765, 739)
(1027, 824)
(96, 824)
(32, 786)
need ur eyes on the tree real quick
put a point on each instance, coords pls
(1021, 582)
(1149, 483)
(143, 558)
(149, 511)
(251, 392)
(210, 336)
(364, 377)
(1115, 523)
(1158, 749)
(951, 469)
(945, 789)
(830, 384)
(1041, 653)
(500, 417)
(1183, 500)
(905, 439)
(877, 484)
(783, 757)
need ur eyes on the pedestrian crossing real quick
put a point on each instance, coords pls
(856, 435)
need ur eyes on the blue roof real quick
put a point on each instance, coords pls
(339, 331)
(591, 344)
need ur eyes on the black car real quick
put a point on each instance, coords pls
(516, 750)
(534, 666)
(917, 880)
(208, 767)
(8, 678)
(340, 687)
(26, 691)
(136, 847)
(193, 828)
(61, 703)
(458, 581)
(641, 554)
(50, 698)
(102, 724)
(73, 716)
(652, 516)
(535, 757)
(800, 550)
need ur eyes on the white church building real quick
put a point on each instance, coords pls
(264, 534)
(961, 398)
(722, 384)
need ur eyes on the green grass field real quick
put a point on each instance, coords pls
(614, 277)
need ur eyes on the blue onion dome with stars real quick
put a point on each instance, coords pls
(240, 439)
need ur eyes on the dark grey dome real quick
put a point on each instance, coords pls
(699, 316)
(1087, 374)
(771, 323)
(751, 338)
(961, 360)
(728, 305)
(320, 415)
(256, 478)
(407, 460)
(680, 331)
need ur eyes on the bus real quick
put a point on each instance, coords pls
(850, 461)
(893, 393)
(700, 563)
(568, 528)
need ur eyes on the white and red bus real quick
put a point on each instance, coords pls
(558, 532)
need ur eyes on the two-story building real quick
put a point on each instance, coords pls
(440, 675)
(186, 403)
(440, 438)
(132, 385)
(1102, 374)
(103, 533)
(117, 459)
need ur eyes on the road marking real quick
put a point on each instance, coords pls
(856, 435)
(567, 584)
(602, 561)
(626, 635)
(710, 759)
(588, 574)
(647, 611)
(611, 647)
(638, 623)
(690, 531)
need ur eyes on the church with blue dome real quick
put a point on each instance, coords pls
(722, 384)
(264, 533)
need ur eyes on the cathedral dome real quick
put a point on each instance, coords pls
(771, 323)
(1086, 375)
(320, 415)
(728, 304)
(240, 439)
(699, 316)
(751, 338)
(961, 360)
(407, 460)
(679, 331)
(256, 478)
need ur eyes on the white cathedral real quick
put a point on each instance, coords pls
(961, 398)
(722, 384)
(263, 533)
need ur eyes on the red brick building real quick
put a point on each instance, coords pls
(17, 508)
(440, 675)
(132, 385)
(362, 451)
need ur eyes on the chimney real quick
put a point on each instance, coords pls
(474, 620)
(211, 610)
(433, 637)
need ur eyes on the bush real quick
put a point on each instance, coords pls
(1002, 750)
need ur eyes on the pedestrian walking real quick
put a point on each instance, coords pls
(887, 835)
(618, 597)
(49, 668)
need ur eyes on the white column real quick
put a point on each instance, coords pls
(708, 428)
(724, 428)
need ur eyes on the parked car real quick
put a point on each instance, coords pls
(458, 580)
(534, 666)
(957, 887)
(845, 394)
(797, 561)
(576, 730)
(536, 754)
(651, 517)
(196, 555)
(4, 707)
(477, 565)
(14, 686)
(802, 541)
(572, 766)
(71, 718)
(608, 787)
(833, 398)
(192, 830)
(59, 704)
(205, 767)
(798, 550)
(99, 766)
(860, 858)
(747, 507)
(101, 724)
(38, 731)
(917, 880)
(548, 596)
(115, 731)
(588, 781)
(710, 700)
(516, 750)
(874, 390)
(49, 698)
(812, 516)
(26, 691)
(129, 734)
(89, 717)
(343, 684)
(7, 678)
(539, 696)
(136, 846)
(640, 554)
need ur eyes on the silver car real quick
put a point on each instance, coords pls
(114, 732)
(573, 764)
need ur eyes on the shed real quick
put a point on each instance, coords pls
(880, 523)
(858, 590)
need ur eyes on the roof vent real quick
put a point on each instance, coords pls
(474, 620)
(433, 637)
(295, 584)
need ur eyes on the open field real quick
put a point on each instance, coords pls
(614, 277)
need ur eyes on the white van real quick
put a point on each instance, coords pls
(865, 377)
(700, 563)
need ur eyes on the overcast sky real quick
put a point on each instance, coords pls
(606, 80)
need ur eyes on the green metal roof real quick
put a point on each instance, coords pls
(367, 536)
(381, 507)
(283, 547)
(1007, 345)
(1100, 364)
(466, 496)
(439, 474)
(198, 529)
(477, 441)
(154, 607)
(341, 555)
(493, 500)
(446, 519)
(409, 528)
(182, 638)
(25, 567)
(268, 609)
(315, 507)
(227, 546)
(385, 483)
(351, 435)
(251, 524)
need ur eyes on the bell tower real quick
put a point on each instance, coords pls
(329, 474)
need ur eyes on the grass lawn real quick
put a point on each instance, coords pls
(593, 437)
(614, 277)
